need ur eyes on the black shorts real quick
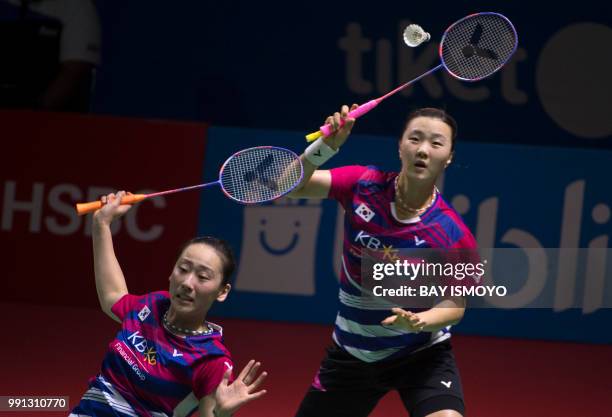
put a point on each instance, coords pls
(427, 381)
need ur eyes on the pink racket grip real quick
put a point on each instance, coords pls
(358, 112)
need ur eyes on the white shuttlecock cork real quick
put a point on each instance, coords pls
(414, 35)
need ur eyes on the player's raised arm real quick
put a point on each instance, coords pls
(316, 182)
(110, 282)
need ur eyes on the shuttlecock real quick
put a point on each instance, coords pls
(414, 35)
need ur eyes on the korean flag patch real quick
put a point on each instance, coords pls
(364, 212)
(144, 313)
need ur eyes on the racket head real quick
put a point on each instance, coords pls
(260, 174)
(478, 45)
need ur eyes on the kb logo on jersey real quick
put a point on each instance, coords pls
(141, 346)
(364, 212)
(150, 356)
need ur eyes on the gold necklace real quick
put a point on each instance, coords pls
(403, 204)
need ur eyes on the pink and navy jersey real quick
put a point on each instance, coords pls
(148, 371)
(370, 222)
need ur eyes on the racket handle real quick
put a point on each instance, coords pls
(363, 109)
(327, 129)
(84, 208)
(314, 136)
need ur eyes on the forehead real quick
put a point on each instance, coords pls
(430, 126)
(203, 255)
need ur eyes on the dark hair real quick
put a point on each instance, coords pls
(223, 250)
(436, 114)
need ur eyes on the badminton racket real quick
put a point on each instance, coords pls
(250, 176)
(471, 49)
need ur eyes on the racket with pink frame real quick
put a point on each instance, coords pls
(471, 49)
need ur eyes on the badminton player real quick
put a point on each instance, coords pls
(166, 360)
(375, 350)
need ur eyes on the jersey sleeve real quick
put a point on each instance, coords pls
(467, 258)
(125, 304)
(466, 241)
(209, 374)
(343, 180)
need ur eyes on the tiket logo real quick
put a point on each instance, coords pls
(362, 52)
(364, 212)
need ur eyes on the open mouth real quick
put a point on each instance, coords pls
(184, 298)
(420, 164)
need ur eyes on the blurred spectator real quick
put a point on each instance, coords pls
(49, 49)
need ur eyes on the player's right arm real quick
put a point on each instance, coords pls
(110, 282)
(317, 182)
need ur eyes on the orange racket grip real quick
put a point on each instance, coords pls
(84, 208)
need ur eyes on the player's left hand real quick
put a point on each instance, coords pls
(405, 320)
(230, 397)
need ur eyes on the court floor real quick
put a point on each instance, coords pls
(54, 350)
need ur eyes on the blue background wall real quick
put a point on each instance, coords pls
(277, 69)
(285, 66)
(288, 250)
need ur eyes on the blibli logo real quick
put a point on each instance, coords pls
(278, 248)
(538, 258)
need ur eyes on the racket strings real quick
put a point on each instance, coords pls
(260, 174)
(477, 46)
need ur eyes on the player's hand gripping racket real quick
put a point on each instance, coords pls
(250, 176)
(471, 49)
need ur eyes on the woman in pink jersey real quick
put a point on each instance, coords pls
(167, 359)
(377, 347)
